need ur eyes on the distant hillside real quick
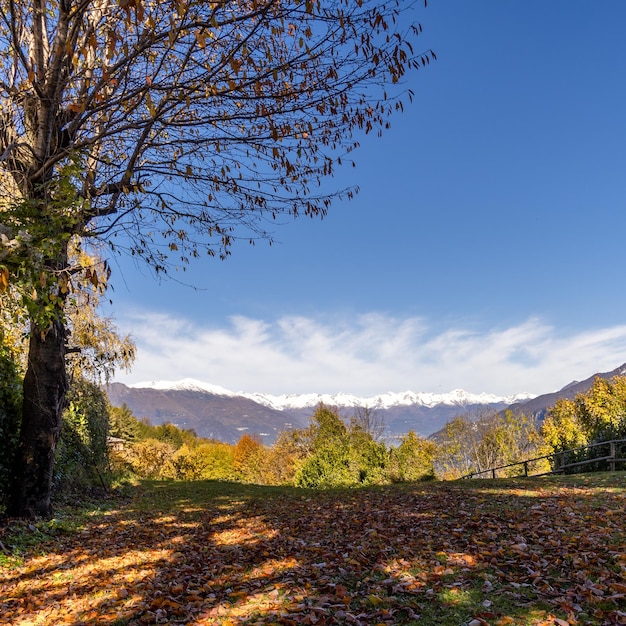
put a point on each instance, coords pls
(209, 415)
(214, 412)
(538, 406)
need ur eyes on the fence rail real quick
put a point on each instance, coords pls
(616, 454)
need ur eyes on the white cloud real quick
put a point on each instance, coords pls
(367, 354)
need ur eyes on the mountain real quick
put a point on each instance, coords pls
(212, 414)
(538, 406)
(215, 412)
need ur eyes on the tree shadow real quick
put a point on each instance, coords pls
(217, 553)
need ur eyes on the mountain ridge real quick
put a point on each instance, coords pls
(215, 412)
(298, 401)
(537, 406)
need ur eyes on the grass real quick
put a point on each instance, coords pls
(517, 551)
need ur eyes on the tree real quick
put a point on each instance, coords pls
(369, 421)
(327, 427)
(458, 449)
(94, 350)
(490, 439)
(83, 455)
(123, 424)
(94, 345)
(282, 460)
(248, 458)
(150, 458)
(591, 417)
(413, 459)
(167, 129)
(602, 410)
(215, 459)
(338, 456)
(368, 458)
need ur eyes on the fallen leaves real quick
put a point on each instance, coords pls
(458, 553)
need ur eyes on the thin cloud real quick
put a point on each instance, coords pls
(367, 354)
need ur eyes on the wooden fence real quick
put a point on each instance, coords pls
(611, 455)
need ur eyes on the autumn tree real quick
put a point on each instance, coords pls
(248, 458)
(167, 129)
(596, 415)
(477, 443)
(95, 346)
(286, 455)
(94, 350)
(207, 460)
(150, 458)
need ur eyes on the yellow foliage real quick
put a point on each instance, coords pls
(149, 457)
(248, 459)
(596, 415)
(206, 461)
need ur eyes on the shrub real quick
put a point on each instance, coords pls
(82, 454)
(413, 459)
(206, 461)
(150, 458)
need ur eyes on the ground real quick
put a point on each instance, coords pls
(480, 552)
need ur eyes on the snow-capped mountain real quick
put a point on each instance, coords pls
(215, 412)
(187, 384)
(458, 397)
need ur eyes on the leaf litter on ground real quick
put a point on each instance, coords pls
(484, 552)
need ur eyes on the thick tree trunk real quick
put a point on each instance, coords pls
(45, 389)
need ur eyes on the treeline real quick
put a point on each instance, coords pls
(330, 452)
(336, 451)
(101, 444)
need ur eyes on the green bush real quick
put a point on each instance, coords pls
(82, 453)
(340, 456)
(413, 459)
(328, 467)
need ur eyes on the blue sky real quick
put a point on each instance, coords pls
(484, 250)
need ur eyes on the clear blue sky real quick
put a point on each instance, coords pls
(485, 250)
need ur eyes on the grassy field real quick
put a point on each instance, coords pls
(482, 552)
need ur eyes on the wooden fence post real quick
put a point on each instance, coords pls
(613, 455)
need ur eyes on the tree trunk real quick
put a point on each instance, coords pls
(45, 389)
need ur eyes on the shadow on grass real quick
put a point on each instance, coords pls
(497, 552)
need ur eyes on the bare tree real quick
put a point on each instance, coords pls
(370, 421)
(170, 129)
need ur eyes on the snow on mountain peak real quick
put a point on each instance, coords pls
(186, 384)
(384, 401)
(303, 401)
